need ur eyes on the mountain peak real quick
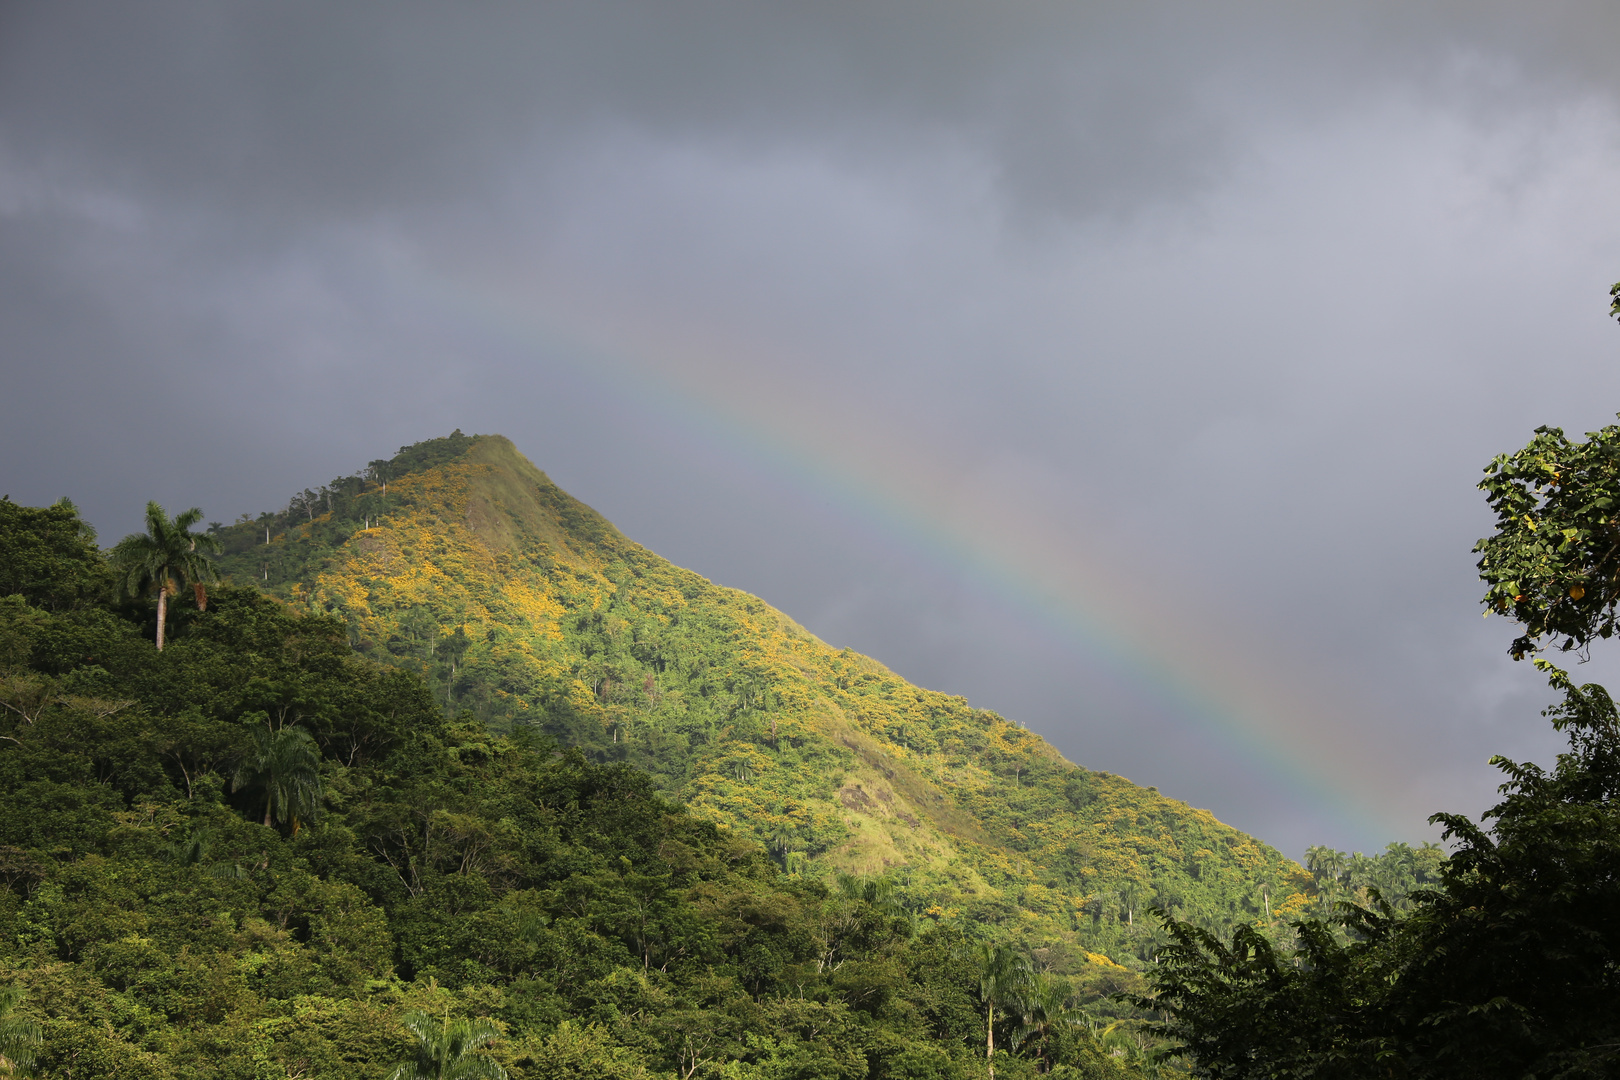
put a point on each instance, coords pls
(523, 606)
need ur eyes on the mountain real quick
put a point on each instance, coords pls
(254, 853)
(460, 559)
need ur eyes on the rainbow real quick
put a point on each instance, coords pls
(1188, 663)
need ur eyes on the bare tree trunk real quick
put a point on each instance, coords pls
(990, 1039)
(163, 610)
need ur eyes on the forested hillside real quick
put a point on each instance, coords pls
(454, 773)
(520, 606)
(257, 854)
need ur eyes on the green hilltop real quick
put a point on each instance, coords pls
(527, 610)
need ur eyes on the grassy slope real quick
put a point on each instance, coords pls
(523, 605)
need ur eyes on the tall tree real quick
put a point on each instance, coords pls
(165, 557)
(285, 765)
(1132, 894)
(1046, 1005)
(19, 1038)
(448, 1050)
(1004, 976)
(1327, 867)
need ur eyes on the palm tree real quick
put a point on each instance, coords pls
(18, 1037)
(286, 764)
(1327, 866)
(446, 1051)
(195, 850)
(1123, 1039)
(1262, 893)
(879, 892)
(1044, 1007)
(166, 556)
(1397, 873)
(1004, 975)
(1132, 895)
(1361, 871)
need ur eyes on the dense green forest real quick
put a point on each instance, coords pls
(258, 854)
(444, 766)
(459, 560)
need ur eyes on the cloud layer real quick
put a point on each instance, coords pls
(1126, 368)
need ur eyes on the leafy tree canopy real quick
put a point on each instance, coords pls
(167, 556)
(1508, 965)
(51, 557)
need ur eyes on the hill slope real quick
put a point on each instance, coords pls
(521, 605)
(255, 854)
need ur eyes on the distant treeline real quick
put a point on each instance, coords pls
(343, 505)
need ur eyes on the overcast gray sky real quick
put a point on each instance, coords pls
(1124, 367)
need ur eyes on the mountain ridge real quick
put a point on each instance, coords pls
(459, 558)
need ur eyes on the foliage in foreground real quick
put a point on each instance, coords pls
(1509, 966)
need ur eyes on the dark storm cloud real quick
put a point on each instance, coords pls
(298, 108)
(1243, 293)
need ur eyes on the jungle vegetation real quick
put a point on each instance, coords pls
(258, 853)
(460, 561)
(447, 777)
(1506, 964)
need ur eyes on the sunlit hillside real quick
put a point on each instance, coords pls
(521, 605)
